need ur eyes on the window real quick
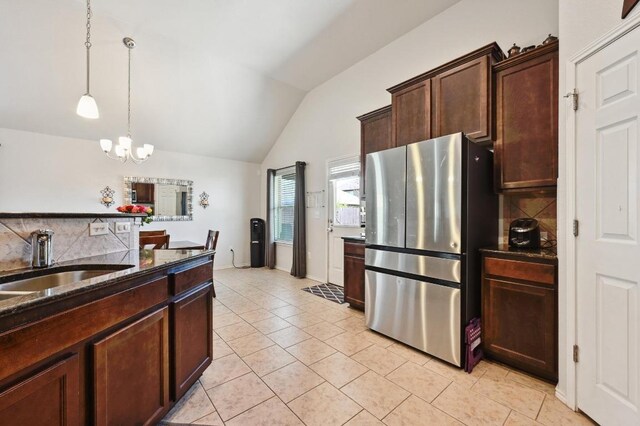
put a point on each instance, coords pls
(344, 187)
(283, 203)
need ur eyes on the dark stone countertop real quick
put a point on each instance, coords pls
(541, 253)
(135, 263)
(18, 215)
(354, 239)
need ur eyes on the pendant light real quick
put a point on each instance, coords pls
(87, 106)
(124, 150)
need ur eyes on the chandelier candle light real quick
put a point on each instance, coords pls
(124, 150)
(87, 106)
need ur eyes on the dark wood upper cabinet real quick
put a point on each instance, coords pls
(131, 372)
(375, 135)
(526, 147)
(455, 97)
(462, 100)
(411, 114)
(47, 398)
(192, 319)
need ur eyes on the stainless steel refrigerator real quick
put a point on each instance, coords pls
(430, 207)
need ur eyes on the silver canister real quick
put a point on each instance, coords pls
(42, 248)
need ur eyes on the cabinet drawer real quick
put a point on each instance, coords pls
(190, 278)
(354, 249)
(520, 270)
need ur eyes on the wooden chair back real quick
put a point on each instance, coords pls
(158, 241)
(153, 233)
(212, 240)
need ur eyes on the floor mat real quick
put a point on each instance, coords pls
(332, 292)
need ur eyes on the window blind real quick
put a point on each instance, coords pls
(348, 167)
(284, 201)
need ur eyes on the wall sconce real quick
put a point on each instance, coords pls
(204, 200)
(107, 197)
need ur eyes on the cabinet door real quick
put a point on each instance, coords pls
(354, 281)
(526, 148)
(375, 135)
(462, 100)
(519, 323)
(131, 372)
(50, 397)
(193, 343)
(411, 114)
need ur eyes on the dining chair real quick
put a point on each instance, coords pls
(158, 241)
(153, 233)
(212, 240)
(211, 244)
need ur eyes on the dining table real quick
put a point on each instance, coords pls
(185, 245)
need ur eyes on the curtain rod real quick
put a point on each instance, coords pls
(288, 167)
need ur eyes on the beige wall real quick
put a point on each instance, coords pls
(42, 173)
(324, 125)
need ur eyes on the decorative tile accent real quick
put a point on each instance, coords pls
(71, 239)
(543, 208)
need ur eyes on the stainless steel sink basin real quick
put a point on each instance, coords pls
(55, 278)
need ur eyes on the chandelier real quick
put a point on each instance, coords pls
(124, 150)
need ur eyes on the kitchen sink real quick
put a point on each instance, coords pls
(53, 279)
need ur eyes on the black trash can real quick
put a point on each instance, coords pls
(257, 242)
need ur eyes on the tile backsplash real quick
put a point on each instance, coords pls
(542, 207)
(71, 239)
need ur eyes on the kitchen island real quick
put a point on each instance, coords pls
(121, 347)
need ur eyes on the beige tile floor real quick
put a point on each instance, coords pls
(285, 357)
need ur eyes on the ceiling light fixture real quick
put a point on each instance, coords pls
(124, 150)
(87, 106)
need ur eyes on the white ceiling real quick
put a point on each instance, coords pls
(210, 77)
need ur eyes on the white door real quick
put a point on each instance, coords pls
(607, 250)
(343, 212)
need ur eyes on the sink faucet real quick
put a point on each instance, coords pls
(42, 248)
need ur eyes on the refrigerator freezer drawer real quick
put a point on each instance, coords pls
(420, 314)
(416, 264)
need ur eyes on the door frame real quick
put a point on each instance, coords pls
(327, 200)
(567, 212)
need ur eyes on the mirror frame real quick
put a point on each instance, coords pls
(128, 180)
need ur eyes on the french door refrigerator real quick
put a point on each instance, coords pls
(430, 206)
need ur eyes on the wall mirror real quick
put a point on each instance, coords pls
(170, 199)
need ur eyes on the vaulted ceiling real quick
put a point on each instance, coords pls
(210, 77)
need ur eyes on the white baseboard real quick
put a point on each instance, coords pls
(563, 398)
(217, 267)
(319, 280)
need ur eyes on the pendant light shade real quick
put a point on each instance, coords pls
(87, 107)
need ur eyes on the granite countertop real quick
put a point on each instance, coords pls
(355, 238)
(541, 253)
(19, 215)
(134, 263)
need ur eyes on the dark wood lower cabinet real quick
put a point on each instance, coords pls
(121, 354)
(131, 373)
(191, 353)
(47, 398)
(519, 315)
(354, 274)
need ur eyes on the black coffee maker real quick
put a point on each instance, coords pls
(524, 233)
